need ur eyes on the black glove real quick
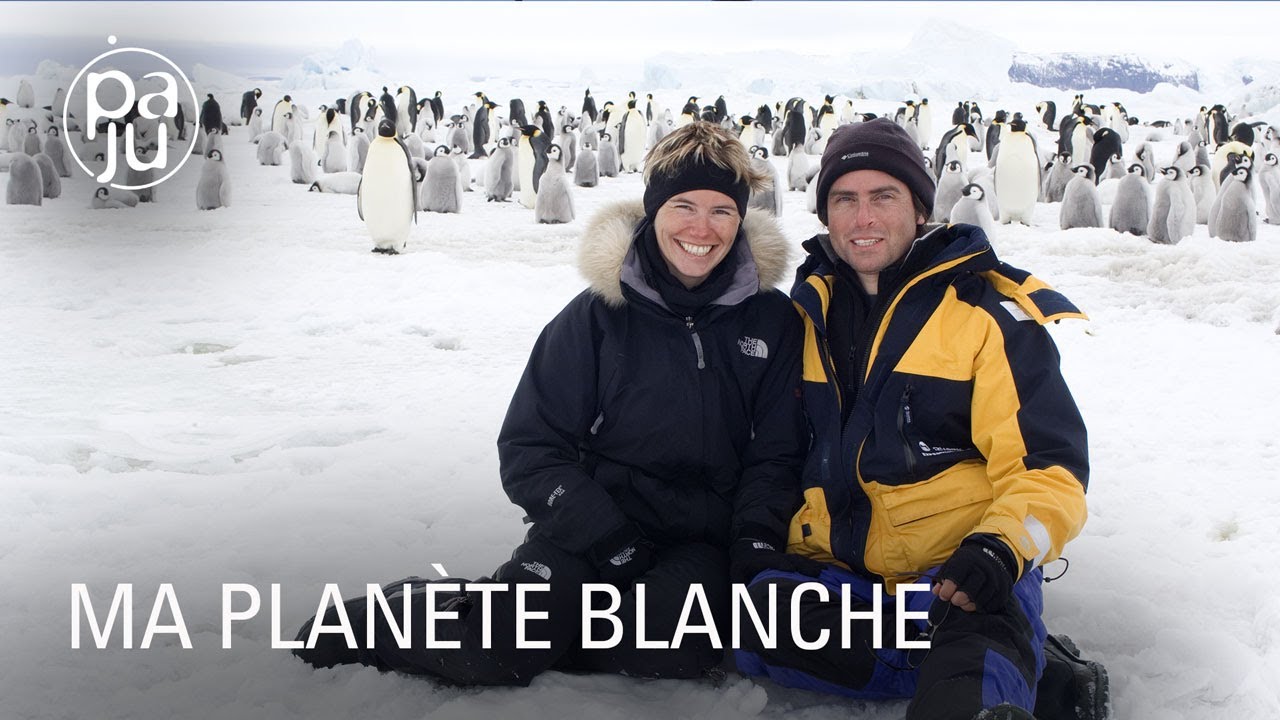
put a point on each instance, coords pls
(622, 555)
(982, 568)
(749, 557)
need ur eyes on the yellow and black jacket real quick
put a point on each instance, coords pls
(960, 421)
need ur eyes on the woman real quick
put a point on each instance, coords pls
(654, 439)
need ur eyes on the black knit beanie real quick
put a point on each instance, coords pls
(874, 145)
(695, 174)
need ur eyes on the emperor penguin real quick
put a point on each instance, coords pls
(442, 191)
(1017, 175)
(1269, 181)
(1228, 157)
(386, 200)
(569, 144)
(1204, 191)
(26, 183)
(1047, 110)
(554, 203)
(499, 172)
(335, 155)
(31, 143)
(344, 183)
(797, 171)
(1145, 155)
(459, 157)
(56, 149)
(417, 148)
(480, 127)
(531, 162)
(328, 121)
(588, 106)
(211, 115)
(249, 103)
(105, 199)
(586, 173)
(950, 188)
(631, 139)
(406, 101)
(214, 189)
(303, 164)
(283, 107)
(457, 134)
(1231, 178)
(1173, 217)
(1081, 207)
(689, 112)
(1106, 143)
(255, 125)
(769, 196)
(972, 209)
(358, 150)
(50, 184)
(1237, 220)
(26, 96)
(1081, 141)
(271, 148)
(924, 121)
(1059, 176)
(542, 118)
(1131, 210)
(607, 156)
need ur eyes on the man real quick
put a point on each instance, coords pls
(946, 450)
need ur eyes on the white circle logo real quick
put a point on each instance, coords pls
(111, 111)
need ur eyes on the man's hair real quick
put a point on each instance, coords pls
(700, 143)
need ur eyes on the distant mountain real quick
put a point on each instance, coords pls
(1072, 71)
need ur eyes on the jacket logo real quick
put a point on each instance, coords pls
(623, 557)
(929, 451)
(850, 156)
(1015, 310)
(538, 569)
(551, 499)
(753, 347)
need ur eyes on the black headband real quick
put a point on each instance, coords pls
(695, 175)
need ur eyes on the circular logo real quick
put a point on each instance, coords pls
(129, 110)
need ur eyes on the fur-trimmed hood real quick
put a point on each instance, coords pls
(606, 242)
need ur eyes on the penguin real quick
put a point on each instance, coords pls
(569, 142)
(956, 144)
(271, 148)
(586, 172)
(50, 184)
(516, 112)
(1228, 157)
(1230, 179)
(1145, 155)
(357, 106)
(1048, 112)
(26, 95)
(358, 150)
(1017, 175)
(56, 149)
(211, 115)
(214, 189)
(794, 131)
(972, 209)
(985, 178)
(106, 199)
(417, 148)
(588, 107)
(769, 196)
(1115, 168)
(255, 125)
(406, 101)
(457, 134)
(959, 114)
(531, 162)
(1059, 176)
(480, 128)
(302, 164)
(328, 120)
(1173, 217)
(499, 172)
(690, 112)
(1204, 191)
(1236, 220)
(949, 191)
(542, 118)
(437, 108)
(995, 130)
(335, 154)
(1106, 143)
(386, 200)
(442, 191)
(797, 171)
(631, 137)
(1131, 211)
(249, 103)
(1269, 181)
(1081, 207)
(607, 156)
(283, 107)
(26, 183)
(387, 108)
(137, 178)
(344, 183)
(31, 143)
(459, 158)
(1080, 138)
(555, 201)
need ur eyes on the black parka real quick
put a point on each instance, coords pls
(691, 428)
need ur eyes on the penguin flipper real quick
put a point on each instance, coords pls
(360, 197)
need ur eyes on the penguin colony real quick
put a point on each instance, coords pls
(400, 154)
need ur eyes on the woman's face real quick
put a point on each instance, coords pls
(695, 232)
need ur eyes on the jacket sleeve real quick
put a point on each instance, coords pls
(1028, 427)
(769, 488)
(550, 415)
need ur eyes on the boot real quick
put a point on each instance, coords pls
(1071, 687)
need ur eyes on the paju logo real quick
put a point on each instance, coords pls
(112, 107)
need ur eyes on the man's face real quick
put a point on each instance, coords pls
(872, 222)
(695, 232)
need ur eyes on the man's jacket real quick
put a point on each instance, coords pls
(962, 422)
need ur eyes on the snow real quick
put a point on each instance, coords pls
(248, 395)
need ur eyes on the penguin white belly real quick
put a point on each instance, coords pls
(524, 164)
(1017, 180)
(634, 130)
(386, 199)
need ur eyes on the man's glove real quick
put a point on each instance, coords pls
(979, 575)
(622, 555)
(748, 557)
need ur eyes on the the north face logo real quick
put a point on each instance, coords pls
(753, 347)
(538, 569)
(929, 451)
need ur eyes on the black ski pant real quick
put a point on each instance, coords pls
(563, 574)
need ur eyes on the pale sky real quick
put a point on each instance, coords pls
(1197, 32)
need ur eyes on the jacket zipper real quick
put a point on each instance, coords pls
(697, 342)
(904, 419)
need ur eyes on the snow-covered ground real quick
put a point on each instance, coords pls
(248, 395)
